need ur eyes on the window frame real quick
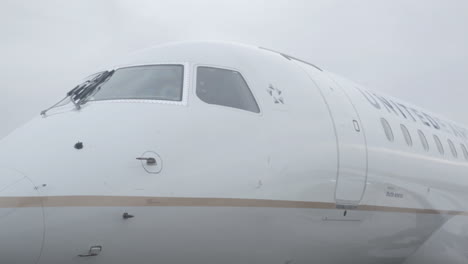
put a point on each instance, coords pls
(453, 149)
(387, 128)
(439, 145)
(423, 139)
(464, 150)
(185, 84)
(406, 135)
(246, 80)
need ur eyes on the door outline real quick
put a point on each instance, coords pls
(345, 203)
(332, 83)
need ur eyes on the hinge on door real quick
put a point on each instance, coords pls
(346, 206)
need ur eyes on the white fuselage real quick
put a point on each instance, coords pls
(313, 177)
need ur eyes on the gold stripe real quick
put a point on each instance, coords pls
(141, 201)
(112, 201)
(377, 208)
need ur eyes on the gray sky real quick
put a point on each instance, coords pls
(416, 50)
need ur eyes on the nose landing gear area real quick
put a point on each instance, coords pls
(21, 219)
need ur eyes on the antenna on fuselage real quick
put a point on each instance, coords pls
(291, 57)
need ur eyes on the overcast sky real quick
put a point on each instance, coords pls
(416, 50)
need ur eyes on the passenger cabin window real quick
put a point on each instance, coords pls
(153, 82)
(407, 135)
(439, 145)
(452, 148)
(388, 129)
(465, 152)
(423, 140)
(225, 88)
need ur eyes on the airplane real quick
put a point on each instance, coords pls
(216, 152)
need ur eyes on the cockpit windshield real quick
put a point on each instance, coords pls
(151, 82)
(154, 82)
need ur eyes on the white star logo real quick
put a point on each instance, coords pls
(276, 94)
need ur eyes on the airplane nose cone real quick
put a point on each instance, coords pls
(21, 219)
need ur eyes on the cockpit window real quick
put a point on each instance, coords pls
(153, 82)
(225, 87)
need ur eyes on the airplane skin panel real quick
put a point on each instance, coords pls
(311, 177)
(446, 244)
(21, 221)
(236, 235)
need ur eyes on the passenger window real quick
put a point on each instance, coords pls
(452, 148)
(423, 140)
(407, 135)
(387, 129)
(439, 145)
(465, 152)
(226, 88)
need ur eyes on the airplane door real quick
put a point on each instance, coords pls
(352, 149)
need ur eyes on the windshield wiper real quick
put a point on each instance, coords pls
(80, 93)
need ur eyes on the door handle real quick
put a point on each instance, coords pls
(356, 126)
(149, 161)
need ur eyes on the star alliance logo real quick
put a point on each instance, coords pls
(276, 94)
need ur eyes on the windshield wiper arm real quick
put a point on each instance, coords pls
(78, 94)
